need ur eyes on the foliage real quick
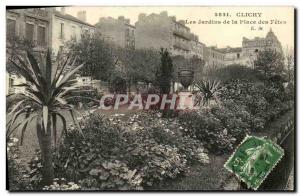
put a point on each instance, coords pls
(138, 65)
(118, 83)
(234, 118)
(263, 101)
(47, 91)
(194, 64)
(236, 72)
(17, 176)
(117, 155)
(112, 175)
(16, 47)
(35, 171)
(269, 62)
(189, 147)
(62, 185)
(97, 55)
(164, 72)
(208, 129)
(209, 90)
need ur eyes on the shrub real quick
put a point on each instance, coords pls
(208, 129)
(234, 118)
(62, 185)
(156, 162)
(18, 178)
(263, 101)
(189, 147)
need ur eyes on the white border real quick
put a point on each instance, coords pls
(3, 3)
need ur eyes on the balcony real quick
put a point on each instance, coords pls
(36, 12)
(182, 34)
(182, 46)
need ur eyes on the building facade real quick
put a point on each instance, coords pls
(233, 56)
(42, 28)
(31, 26)
(119, 31)
(197, 47)
(251, 47)
(244, 55)
(65, 28)
(157, 31)
(213, 57)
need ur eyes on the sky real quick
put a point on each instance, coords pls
(220, 35)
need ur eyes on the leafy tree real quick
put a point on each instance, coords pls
(164, 73)
(289, 57)
(48, 89)
(97, 54)
(235, 72)
(269, 62)
(136, 65)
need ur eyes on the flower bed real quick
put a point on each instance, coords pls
(121, 155)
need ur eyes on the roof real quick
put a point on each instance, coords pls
(229, 49)
(132, 26)
(71, 18)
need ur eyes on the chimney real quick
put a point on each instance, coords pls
(63, 10)
(181, 22)
(164, 13)
(142, 16)
(81, 15)
(127, 21)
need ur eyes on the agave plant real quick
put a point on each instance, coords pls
(208, 90)
(48, 88)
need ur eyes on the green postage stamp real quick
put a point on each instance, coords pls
(254, 159)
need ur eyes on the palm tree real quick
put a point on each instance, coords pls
(209, 90)
(48, 88)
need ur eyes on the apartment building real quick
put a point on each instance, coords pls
(118, 31)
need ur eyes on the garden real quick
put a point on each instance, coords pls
(143, 150)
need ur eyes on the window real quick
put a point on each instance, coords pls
(73, 33)
(41, 36)
(132, 33)
(238, 55)
(256, 50)
(61, 48)
(10, 82)
(29, 32)
(127, 33)
(61, 32)
(10, 28)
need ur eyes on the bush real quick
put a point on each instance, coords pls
(130, 155)
(18, 178)
(156, 162)
(263, 101)
(189, 147)
(234, 118)
(208, 129)
(62, 185)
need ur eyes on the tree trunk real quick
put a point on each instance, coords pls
(46, 152)
(129, 87)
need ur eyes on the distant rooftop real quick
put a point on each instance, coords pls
(229, 49)
(72, 18)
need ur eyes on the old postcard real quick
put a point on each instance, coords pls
(150, 98)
